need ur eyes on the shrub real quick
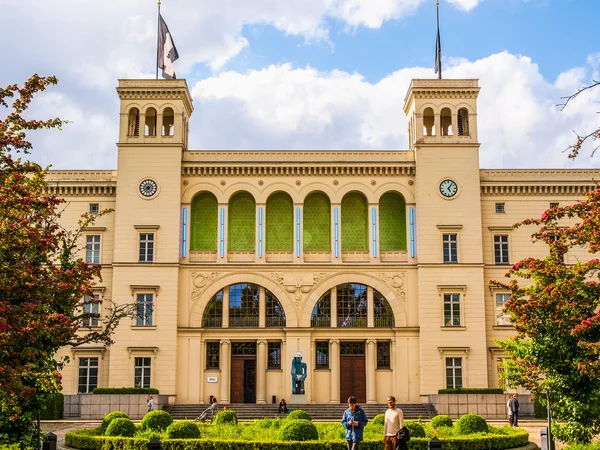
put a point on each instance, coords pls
(379, 419)
(104, 391)
(440, 421)
(156, 420)
(269, 423)
(299, 414)
(471, 391)
(120, 427)
(415, 429)
(471, 423)
(226, 416)
(573, 433)
(148, 434)
(183, 430)
(52, 408)
(298, 430)
(110, 417)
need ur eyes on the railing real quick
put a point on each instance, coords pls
(243, 322)
(352, 322)
(384, 322)
(212, 322)
(320, 322)
(275, 322)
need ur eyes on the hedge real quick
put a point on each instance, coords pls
(53, 408)
(124, 390)
(471, 391)
(85, 440)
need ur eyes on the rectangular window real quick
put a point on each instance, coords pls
(274, 361)
(212, 355)
(450, 248)
(322, 351)
(501, 249)
(554, 205)
(92, 249)
(146, 247)
(142, 372)
(453, 373)
(91, 307)
(88, 375)
(502, 318)
(451, 310)
(94, 208)
(145, 308)
(383, 355)
(499, 208)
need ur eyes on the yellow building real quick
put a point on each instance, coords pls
(372, 266)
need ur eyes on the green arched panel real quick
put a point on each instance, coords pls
(203, 233)
(355, 231)
(392, 222)
(242, 222)
(280, 222)
(317, 222)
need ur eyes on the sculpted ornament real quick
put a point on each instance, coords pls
(396, 281)
(200, 280)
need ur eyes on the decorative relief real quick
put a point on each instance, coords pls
(396, 281)
(319, 277)
(297, 284)
(200, 280)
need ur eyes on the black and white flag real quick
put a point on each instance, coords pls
(167, 52)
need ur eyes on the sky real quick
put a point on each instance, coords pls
(310, 74)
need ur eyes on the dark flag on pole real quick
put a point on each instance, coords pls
(438, 45)
(167, 52)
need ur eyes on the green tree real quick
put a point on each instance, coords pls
(555, 311)
(42, 282)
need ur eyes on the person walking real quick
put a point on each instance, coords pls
(509, 408)
(354, 421)
(514, 401)
(394, 421)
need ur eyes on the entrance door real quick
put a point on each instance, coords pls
(249, 381)
(243, 372)
(353, 371)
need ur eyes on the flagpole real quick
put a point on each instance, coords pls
(439, 44)
(157, 38)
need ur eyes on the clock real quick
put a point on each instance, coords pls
(148, 188)
(448, 188)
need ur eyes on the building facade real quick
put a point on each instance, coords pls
(258, 274)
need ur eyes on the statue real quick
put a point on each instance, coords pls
(299, 373)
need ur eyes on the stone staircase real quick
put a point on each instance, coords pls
(319, 412)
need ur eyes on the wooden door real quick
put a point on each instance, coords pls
(250, 381)
(353, 378)
(237, 380)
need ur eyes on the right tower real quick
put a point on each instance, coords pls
(442, 118)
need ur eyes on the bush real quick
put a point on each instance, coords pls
(226, 416)
(120, 427)
(471, 391)
(157, 420)
(269, 423)
(110, 417)
(573, 433)
(148, 434)
(299, 414)
(440, 421)
(540, 409)
(104, 391)
(471, 423)
(415, 429)
(53, 407)
(298, 430)
(183, 430)
(379, 419)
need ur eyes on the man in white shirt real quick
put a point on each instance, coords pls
(394, 421)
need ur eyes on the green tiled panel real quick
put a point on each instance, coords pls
(203, 233)
(280, 222)
(392, 222)
(355, 232)
(317, 222)
(242, 222)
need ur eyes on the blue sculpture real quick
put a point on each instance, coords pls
(299, 373)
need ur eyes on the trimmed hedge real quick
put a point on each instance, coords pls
(299, 414)
(120, 427)
(156, 420)
(471, 423)
(471, 391)
(225, 416)
(441, 421)
(109, 418)
(105, 391)
(183, 430)
(379, 419)
(298, 430)
(415, 429)
(53, 408)
(90, 440)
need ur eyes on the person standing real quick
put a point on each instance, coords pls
(394, 421)
(514, 401)
(509, 408)
(150, 403)
(354, 421)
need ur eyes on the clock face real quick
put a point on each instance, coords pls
(148, 188)
(448, 188)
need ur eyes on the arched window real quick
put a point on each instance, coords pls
(392, 222)
(203, 234)
(133, 127)
(355, 231)
(428, 122)
(383, 315)
(317, 222)
(463, 122)
(213, 314)
(351, 305)
(321, 315)
(275, 315)
(243, 305)
(242, 222)
(446, 122)
(168, 125)
(150, 128)
(280, 222)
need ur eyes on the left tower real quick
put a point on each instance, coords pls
(153, 134)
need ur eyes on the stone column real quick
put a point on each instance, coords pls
(370, 311)
(225, 370)
(333, 306)
(225, 317)
(261, 371)
(371, 366)
(334, 364)
(262, 307)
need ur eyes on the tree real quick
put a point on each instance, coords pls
(555, 309)
(42, 282)
(588, 136)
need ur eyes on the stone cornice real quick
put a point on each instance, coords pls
(82, 183)
(305, 157)
(550, 182)
(297, 170)
(156, 90)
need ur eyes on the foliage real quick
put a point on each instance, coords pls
(440, 421)
(572, 432)
(471, 391)
(148, 434)
(595, 446)
(156, 420)
(299, 414)
(120, 427)
(269, 423)
(183, 430)
(298, 430)
(124, 390)
(379, 419)
(471, 423)
(556, 315)
(108, 418)
(53, 407)
(540, 408)
(88, 440)
(226, 416)
(415, 429)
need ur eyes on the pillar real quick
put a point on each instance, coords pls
(333, 306)
(334, 364)
(262, 307)
(371, 366)
(261, 372)
(225, 370)
(370, 310)
(225, 318)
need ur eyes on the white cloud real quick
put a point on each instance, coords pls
(466, 5)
